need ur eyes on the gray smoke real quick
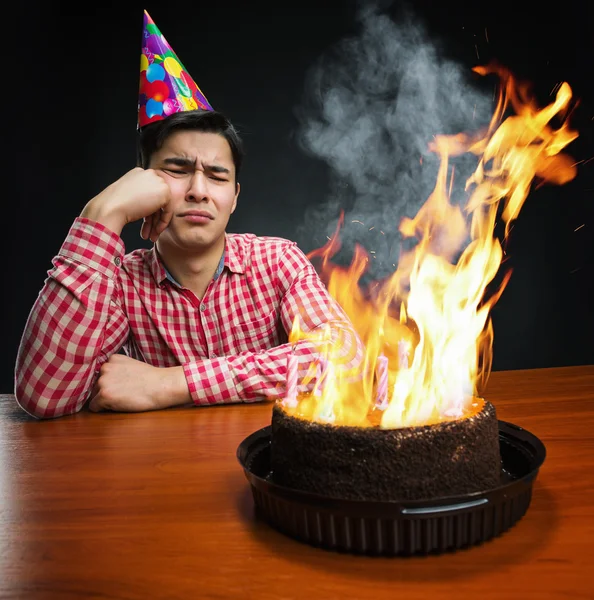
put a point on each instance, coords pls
(371, 107)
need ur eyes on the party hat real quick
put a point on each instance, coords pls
(165, 85)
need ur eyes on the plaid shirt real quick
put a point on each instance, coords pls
(232, 343)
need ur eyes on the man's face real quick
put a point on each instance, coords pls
(199, 170)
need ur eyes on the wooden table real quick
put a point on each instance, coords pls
(155, 505)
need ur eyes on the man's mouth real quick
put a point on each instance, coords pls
(197, 216)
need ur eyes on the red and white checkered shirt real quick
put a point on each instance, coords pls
(232, 343)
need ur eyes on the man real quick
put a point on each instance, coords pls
(204, 316)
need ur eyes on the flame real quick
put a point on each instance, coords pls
(430, 318)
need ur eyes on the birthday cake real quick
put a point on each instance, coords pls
(449, 458)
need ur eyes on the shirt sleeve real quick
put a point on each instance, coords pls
(251, 376)
(75, 325)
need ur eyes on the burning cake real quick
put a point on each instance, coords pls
(450, 458)
(425, 329)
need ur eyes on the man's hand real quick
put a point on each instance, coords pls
(128, 385)
(139, 194)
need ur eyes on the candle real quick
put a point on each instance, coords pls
(382, 382)
(291, 387)
(457, 396)
(321, 376)
(327, 415)
(455, 410)
(403, 354)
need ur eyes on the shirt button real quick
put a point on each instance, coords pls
(203, 307)
(117, 261)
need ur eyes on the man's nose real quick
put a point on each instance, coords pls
(198, 188)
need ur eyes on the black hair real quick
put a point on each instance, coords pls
(152, 136)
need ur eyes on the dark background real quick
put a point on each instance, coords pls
(70, 92)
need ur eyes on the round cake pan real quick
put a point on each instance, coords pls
(397, 528)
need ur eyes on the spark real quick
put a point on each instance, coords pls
(473, 112)
(372, 228)
(372, 251)
(575, 270)
(451, 182)
(505, 237)
(486, 35)
(582, 162)
(477, 52)
(328, 238)
(582, 225)
(356, 221)
(555, 88)
(382, 232)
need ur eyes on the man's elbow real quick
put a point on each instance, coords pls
(43, 407)
(29, 406)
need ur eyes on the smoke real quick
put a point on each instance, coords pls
(371, 107)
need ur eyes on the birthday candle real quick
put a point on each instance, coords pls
(322, 374)
(455, 410)
(403, 354)
(326, 414)
(382, 382)
(456, 399)
(291, 391)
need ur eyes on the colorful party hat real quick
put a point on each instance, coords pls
(165, 85)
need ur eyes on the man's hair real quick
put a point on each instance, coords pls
(152, 136)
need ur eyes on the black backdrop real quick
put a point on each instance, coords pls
(70, 85)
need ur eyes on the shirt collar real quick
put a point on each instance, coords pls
(156, 267)
(234, 257)
(231, 259)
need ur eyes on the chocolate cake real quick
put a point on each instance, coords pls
(449, 458)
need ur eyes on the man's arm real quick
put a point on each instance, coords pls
(77, 322)
(75, 325)
(128, 385)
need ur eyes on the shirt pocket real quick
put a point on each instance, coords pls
(256, 334)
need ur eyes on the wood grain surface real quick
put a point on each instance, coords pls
(155, 505)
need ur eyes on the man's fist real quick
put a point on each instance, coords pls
(128, 385)
(138, 194)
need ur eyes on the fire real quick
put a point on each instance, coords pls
(426, 329)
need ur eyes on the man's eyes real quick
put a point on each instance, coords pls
(183, 172)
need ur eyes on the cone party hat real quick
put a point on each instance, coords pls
(165, 85)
